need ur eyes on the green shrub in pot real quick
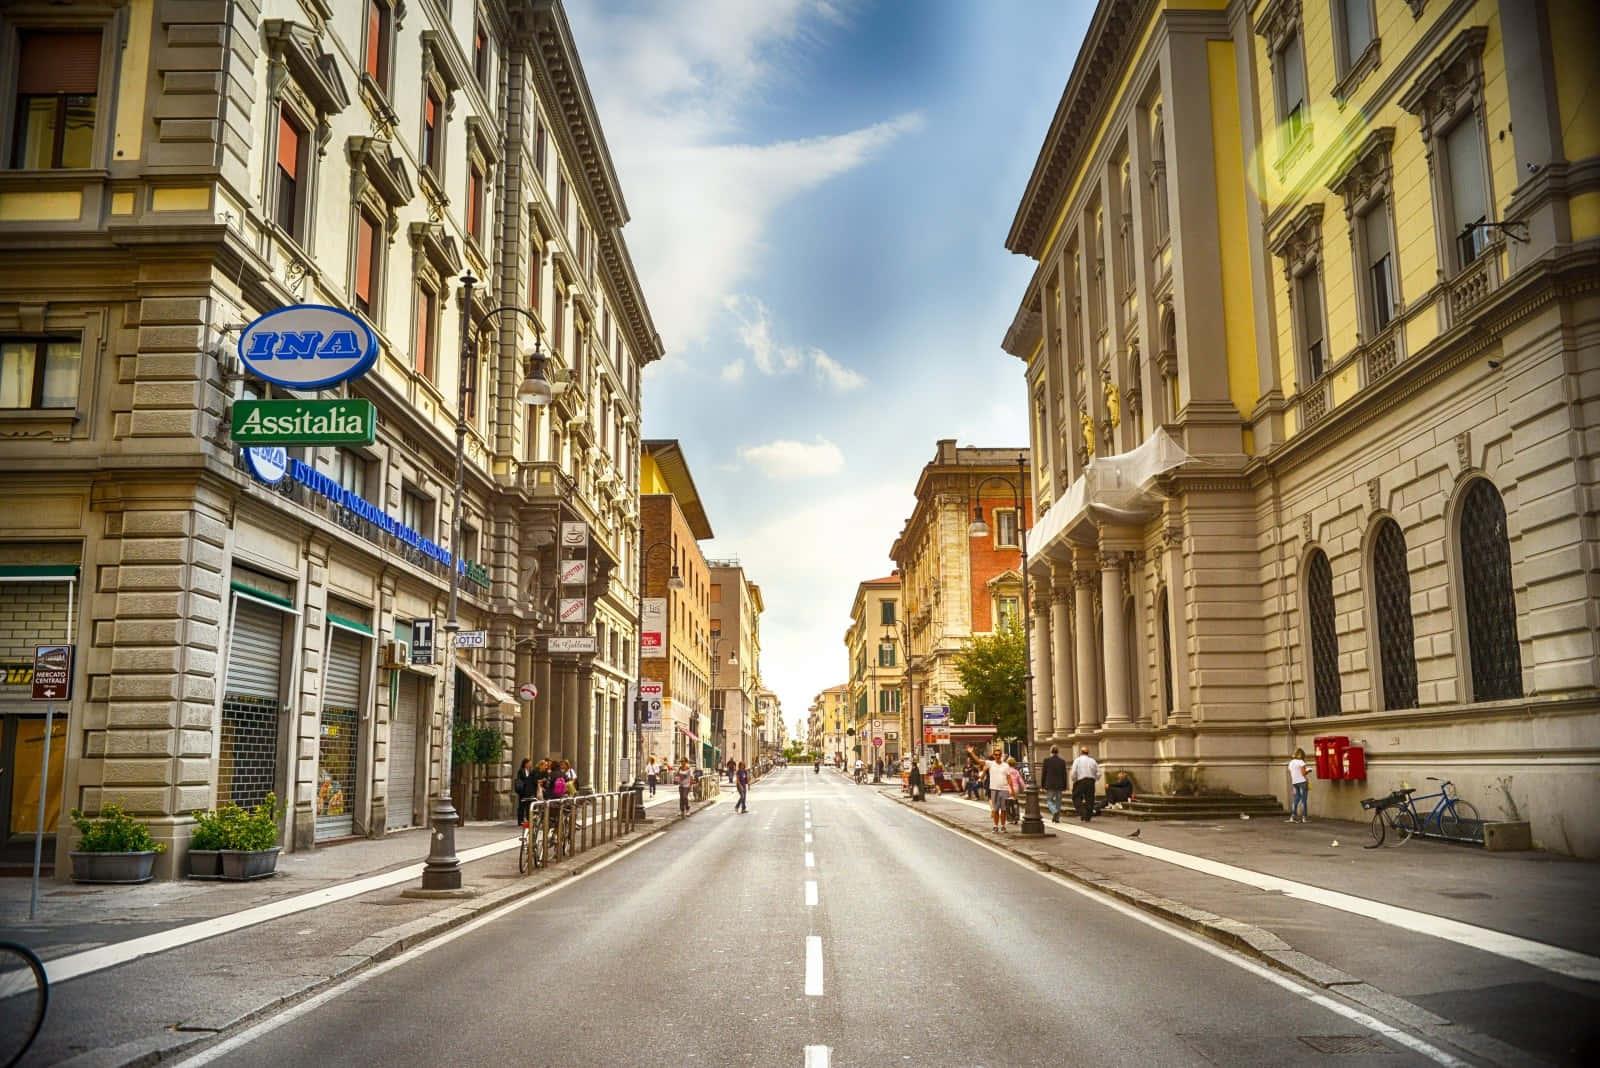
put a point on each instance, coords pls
(113, 831)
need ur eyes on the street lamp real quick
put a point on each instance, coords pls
(1032, 820)
(675, 582)
(901, 630)
(442, 871)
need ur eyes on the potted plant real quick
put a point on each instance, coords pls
(210, 836)
(472, 744)
(113, 848)
(251, 849)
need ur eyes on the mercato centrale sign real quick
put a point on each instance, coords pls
(304, 422)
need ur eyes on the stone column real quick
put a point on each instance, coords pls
(1116, 639)
(586, 719)
(1083, 576)
(522, 728)
(1061, 650)
(1039, 652)
(570, 697)
(543, 707)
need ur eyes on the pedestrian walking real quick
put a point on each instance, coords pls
(1085, 770)
(741, 778)
(685, 784)
(1053, 777)
(652, 771)
(914, 781)
(998, 774)
(1301, 787)
(732, 771)
(525, 787)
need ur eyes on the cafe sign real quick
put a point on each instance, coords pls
(308, 346)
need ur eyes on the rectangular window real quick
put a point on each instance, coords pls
(1356, 26)
(1469, 201)
(469, 544)
(540, 148)
(886, 654)
(291, 165)
(1380, 265)
(558, 320)
(1292, 90)
(427, 303)
(432, 142)
(39, 372)
(58, 78)
(350, 470)
(1005, 528)
(367, 260)
(561, 202)
(377, 57)
(480, 57)
(475, 204)
(535, 279)
(886, 612)
(415, 512)
(1006, 612)
(1309, 293)
(583, 248)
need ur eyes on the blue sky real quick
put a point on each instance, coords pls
(820, 192)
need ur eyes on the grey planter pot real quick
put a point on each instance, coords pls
(242, 864)
(113, 867)
(205, 864)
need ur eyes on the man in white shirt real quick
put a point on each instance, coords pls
(1085, 770)
(999, 789)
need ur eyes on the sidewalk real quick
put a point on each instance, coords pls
(1478, 948)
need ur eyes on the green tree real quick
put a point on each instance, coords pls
(993, 670)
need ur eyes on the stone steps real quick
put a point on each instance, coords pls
(1204, 807)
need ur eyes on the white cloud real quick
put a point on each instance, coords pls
(834, 373)
(733, 371)
(795, 459)
(755, 333)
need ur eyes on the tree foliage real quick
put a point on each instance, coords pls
(993, 670)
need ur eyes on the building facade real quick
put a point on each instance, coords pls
(736, 608)
(1344, 255)
(955, 586)
(876, 696)
(676, 595)
(833, 712)
(175, 171)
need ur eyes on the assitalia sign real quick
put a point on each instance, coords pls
(304, 422)
(308, 346)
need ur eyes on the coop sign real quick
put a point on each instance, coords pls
(308, 346)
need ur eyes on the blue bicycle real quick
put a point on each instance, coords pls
(1450, 817)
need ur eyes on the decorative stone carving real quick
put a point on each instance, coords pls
(1374, 494)
(1464, 449)
(1087, 426)
(1299, 243)
(1305, 530)
(1278, 21)
(1113, 404)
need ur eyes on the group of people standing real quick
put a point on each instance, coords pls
(684, 775)
(548, 780)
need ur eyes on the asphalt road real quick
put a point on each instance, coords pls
(922, 947)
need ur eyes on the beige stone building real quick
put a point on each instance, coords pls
(736, 608)
(955, 586)
(176, 170)
(1347, 260)
(875, 699)
(833, 711)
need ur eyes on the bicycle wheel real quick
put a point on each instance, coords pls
(24, 996)
(525, 851)
(1460, 820)
(1405, 825)
(1377, 829)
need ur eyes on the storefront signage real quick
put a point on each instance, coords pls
(351, 421)
(652, 629)
(308, 346)
(574, 535)
(472, 639)
(268, 463)
(574, 572)
(574, 610)
(422, 641)
(475, 573)
(320, 483)
(52, 673)
(18, 672)
(650, 704)
(583, 643)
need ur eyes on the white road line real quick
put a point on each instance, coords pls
(816, 1057)
(1525, 950)
(811, 860)
(814, 966)
(808, 838)
(243, 1038)
(811, 893)
(1316, 997)
(75, 965)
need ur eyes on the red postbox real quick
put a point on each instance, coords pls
(1330, 763)
(1353, 763)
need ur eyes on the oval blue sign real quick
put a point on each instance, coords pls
(308, 346)
(269, 463)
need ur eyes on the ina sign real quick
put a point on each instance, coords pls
(308, 346)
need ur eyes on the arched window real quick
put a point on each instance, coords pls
(1158, 174)
(1391, 584)
(1166, 654)
(1486, 585)
(1324, 635)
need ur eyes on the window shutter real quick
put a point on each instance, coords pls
(1357, 29)
(424, 353)
(66, 63)
(288, 146)
(365, 234)
(1465, 153)
(474, 201)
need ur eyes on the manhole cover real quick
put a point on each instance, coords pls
(1344, 1044)
(1467, 895)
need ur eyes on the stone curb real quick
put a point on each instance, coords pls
(1255, 942)
(373, 949)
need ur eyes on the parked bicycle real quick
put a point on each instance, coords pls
(550, 834)
(24, 996)
(1450, 817)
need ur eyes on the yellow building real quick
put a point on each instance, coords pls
(876, 706)
(833, 706)
(1347, 262)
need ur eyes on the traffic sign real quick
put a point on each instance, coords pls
(472, 639)
(52, 673)
(422, 641)
(528, 691)
(877, 743)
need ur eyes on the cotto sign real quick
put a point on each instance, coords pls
(308, 346)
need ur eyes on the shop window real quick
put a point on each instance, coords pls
(40, 372)
(56, 92)
(1324, 633)
(1391, 588)
(1485, 554)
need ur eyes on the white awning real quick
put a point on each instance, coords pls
(481, 681)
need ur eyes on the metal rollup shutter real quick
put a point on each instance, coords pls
(247, 757)
(340, 728)
(403, 754)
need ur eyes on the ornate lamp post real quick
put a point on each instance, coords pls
(1032, 820)
(442, 871)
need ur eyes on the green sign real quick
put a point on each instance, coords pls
(475, 573)
(304, 422)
